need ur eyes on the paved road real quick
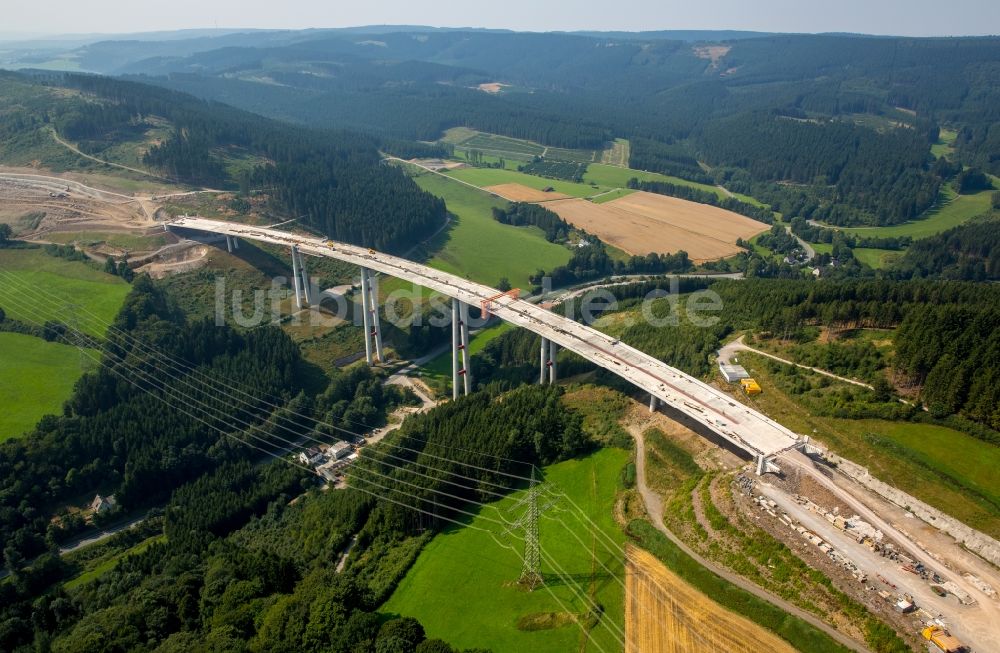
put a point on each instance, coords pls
(810, 252)
(654, 506)
(728, 351)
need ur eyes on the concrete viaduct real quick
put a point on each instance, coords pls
(746, 429)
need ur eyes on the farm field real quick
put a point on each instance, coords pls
(948, 469)
(483, 177)
(484, 609)
(480, 248)
(522, 193)
(953, 210)
(663, 614)
(641, 223)
(506, 147)
(36, 377)
(618, 176)
(52, 286)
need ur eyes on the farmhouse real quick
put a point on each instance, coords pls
(101, 505)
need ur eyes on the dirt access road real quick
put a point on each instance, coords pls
(727, 352)
(654, 507)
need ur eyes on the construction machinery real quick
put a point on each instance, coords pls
(943, 639)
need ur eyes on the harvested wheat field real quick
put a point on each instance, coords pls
(640, 223)
(663, 614)
(522, 193)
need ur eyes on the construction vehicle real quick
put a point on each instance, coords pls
(750, 386)
(943, 639)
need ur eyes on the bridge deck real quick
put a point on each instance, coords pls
(743, 426)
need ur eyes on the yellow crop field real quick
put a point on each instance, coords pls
(663, 614)
(640, 223)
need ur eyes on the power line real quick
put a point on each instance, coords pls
(535, 559)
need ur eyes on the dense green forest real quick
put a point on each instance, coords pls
(873, 177)
(969, 252)
(121, 433)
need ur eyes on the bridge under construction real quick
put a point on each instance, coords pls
(745, 428)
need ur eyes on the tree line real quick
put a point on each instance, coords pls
(761, 213)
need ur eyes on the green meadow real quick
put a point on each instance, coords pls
(36, 377)
(478, 247)
(38, 287)
(463, 586)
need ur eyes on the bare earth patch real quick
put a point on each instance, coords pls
(640, 223)
(492, 87)
(714, 53)
(522, 193)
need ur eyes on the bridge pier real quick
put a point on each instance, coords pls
(543, 371)
(373, 309)
(229, 244)
(461, 376)
(553, 350)
(369, 311)
(653, 403)
(296, 279)
(306, 290)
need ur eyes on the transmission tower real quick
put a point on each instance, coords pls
(531, 568)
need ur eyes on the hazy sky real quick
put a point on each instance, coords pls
(911, 17)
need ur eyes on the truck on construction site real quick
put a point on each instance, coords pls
(944, 640)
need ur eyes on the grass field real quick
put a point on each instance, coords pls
(36, 377)
(953, 210)
(877, 258)
(948, 469)
(462, 588)
(946, 143)
(47, 288)
(480, 248)
(617, 176)
(483, 177)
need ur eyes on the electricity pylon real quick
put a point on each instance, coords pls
(531, 566)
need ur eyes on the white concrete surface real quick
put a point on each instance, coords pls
(746, 428)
